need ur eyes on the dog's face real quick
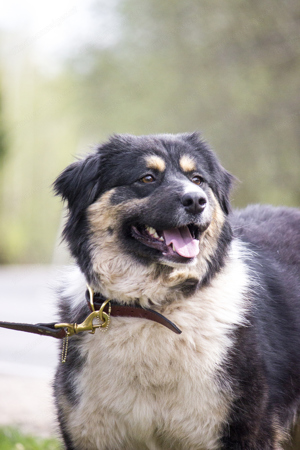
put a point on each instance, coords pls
(141, 204)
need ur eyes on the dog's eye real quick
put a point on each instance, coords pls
(196, 179)
(148, 179)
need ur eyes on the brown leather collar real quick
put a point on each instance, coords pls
(119, 310)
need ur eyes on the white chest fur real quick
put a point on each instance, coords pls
(144, 387)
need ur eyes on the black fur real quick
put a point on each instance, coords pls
(265, 363)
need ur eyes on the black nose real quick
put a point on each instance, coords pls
(194, 202)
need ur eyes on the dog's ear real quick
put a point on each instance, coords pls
(79, 182)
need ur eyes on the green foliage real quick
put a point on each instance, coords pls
(12, 439)
(3, 146)
(228, 69)
(42, 139)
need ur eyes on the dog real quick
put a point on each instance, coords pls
(150, 225)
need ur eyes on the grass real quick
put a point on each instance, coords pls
(13, 439)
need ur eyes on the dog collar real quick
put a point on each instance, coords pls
(96, 301)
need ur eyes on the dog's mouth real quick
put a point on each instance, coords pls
(182, 241)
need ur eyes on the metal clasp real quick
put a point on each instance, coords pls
(91, 292)
(88, 324)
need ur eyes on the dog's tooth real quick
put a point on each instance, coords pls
(154, 233)
(151, 230)
(173, 247)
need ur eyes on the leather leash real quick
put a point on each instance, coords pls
(101, 309)
(43, 329)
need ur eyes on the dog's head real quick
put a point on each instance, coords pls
(144, 208)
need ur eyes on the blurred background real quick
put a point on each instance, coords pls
(74, 72)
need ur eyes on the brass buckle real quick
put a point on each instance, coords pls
(88, 324)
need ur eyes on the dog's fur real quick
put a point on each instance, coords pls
(231, 380)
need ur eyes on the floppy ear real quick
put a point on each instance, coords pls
(79, 182)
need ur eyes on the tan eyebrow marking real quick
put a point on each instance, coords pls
(187, 163)
(155, 162)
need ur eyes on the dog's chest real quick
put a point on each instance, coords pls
(143, 386)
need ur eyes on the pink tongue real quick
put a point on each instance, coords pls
(183, 242)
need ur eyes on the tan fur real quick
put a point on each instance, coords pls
(282, 434)
(144, 387)
(155, 162)
(187, 163)
(118, 273)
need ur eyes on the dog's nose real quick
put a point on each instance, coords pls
(194, 202)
